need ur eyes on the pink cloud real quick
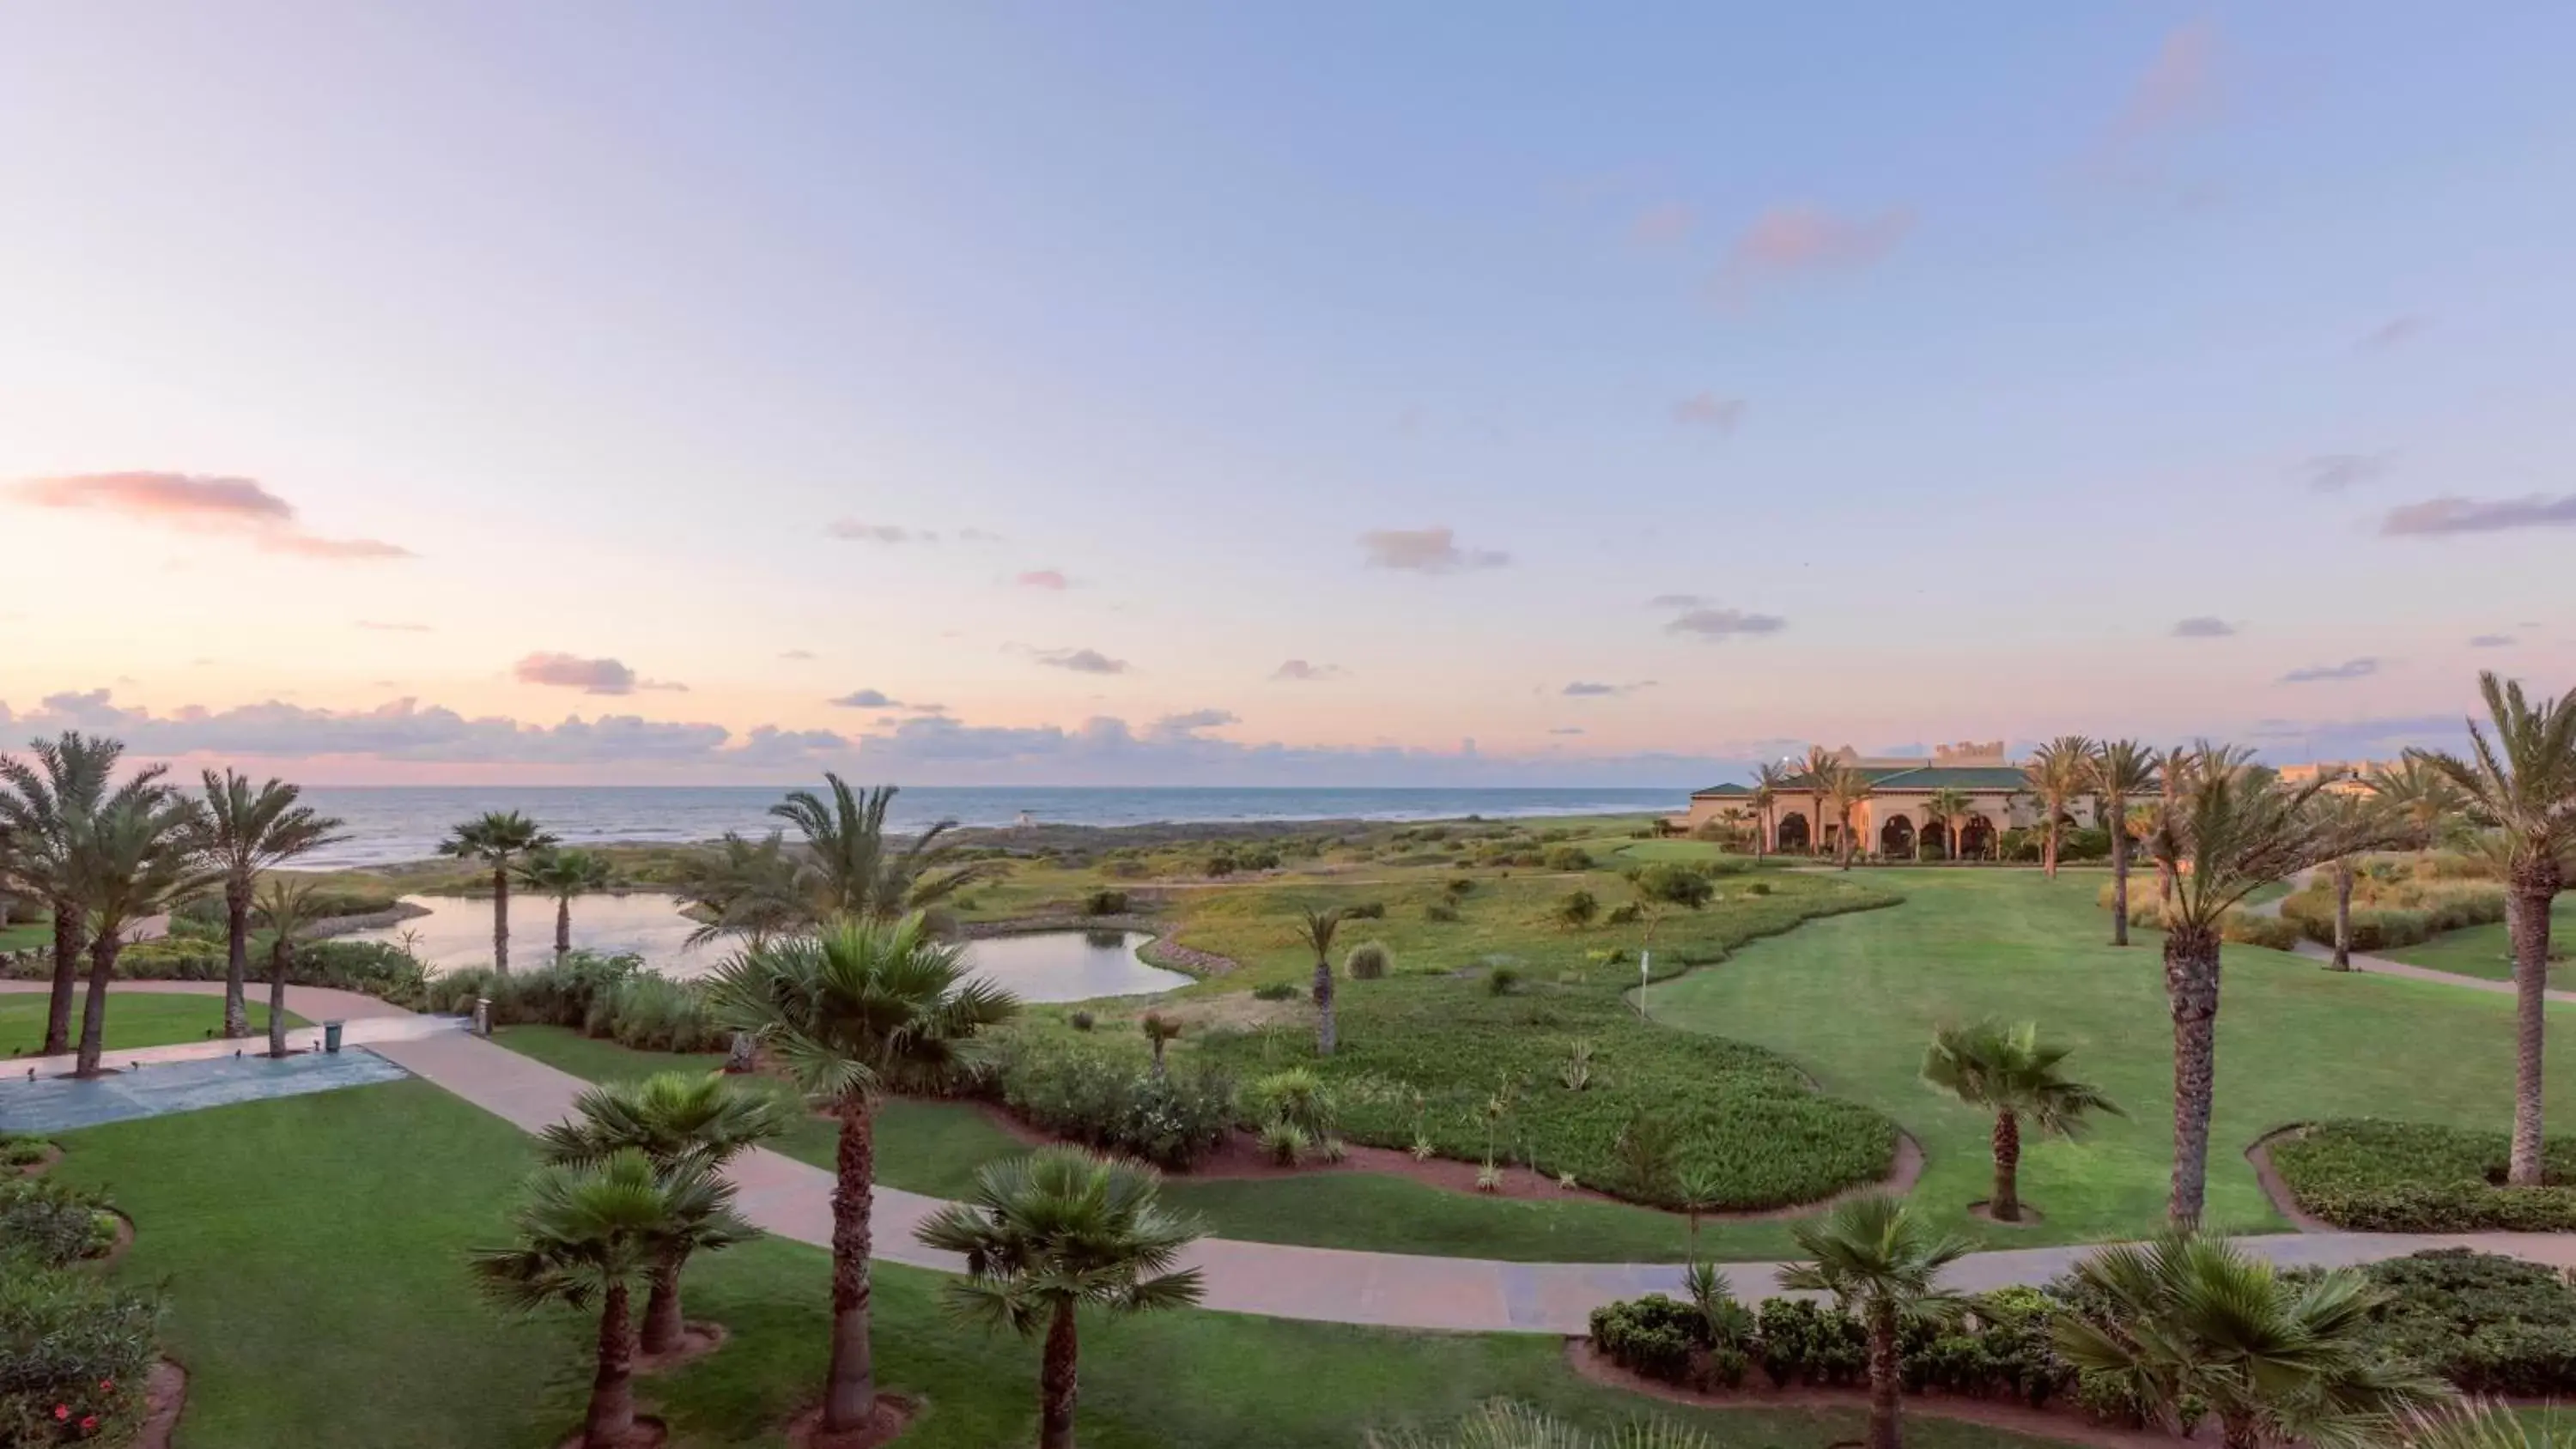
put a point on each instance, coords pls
(1661, 226)
(1708, 410)
(200, 503)
(1050, 579)
(567, 671)
(1795, 239)
(2180, 85)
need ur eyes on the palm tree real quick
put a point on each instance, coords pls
(2120, 771)
(746, 888)
(852, 870)
(285, 908)
(2008, 1071)
(2229, 828)
(1821, 764)
(2524, 779)
(1846, 790)
(136, 856)
(2422, 795)
(586, 1233)
(676, 1119)
(2364, 822)
(1769, 781)
(2188, 1318)
(1315, 931)
(1883, 1267)
(39, 811)
(864, 1008)
(564, 874)
(498, 839)
(1949, 808)
(2058, 772)
(249, 831)
(1055, 1231)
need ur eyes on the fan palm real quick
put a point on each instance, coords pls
(249, 831)
(863, 1008)
(1769, 780)
(285, 908)
(853, 871)
(1819, 773)
(1315, 932)
(561, 875)
(585, 1234)
(1846, 790)
(2119, 772)
(2188, 1318)
(498, 839)
(1948, 808)
(2422, 795)
(136, 856)
(2523, 777)
(1883, 1267)
(745, 888)
(1503, 1424)
(1055, 1231)
(2058, 772)
(675, 1119)
(2362, 822)
(2008, 1071)
(39, 810)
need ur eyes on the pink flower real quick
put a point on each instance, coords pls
(90, 1424)
(62, 1412)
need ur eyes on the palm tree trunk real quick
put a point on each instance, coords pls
(2191, 988)
(1327, 1036)
(563, 925)
(1057, 1383)
(663, 1324)
(850, 1388)
(2120, 884)
(236, 957)
(102, 968)
(2527, 923)
(67, 961)
(2240, 1431)
(611, 1420)
(501, 919)
(277, 963)
(2343, 914)
(2048, 849)
(2005, 1207)
(1883, 1433)
(1816, 831)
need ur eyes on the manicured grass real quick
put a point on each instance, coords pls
(21, 937)
(2487, 951)
(1854, 999)
(134, 1019)
(330, 1305)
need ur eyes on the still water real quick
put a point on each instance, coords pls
(1046, 966)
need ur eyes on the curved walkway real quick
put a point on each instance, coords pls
(1282, 1280)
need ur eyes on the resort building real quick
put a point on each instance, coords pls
(1991, 788)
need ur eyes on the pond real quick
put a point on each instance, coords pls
(1042, 966)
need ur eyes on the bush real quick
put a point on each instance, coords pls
(1653, 1336)
(49, 1225)
(1566, 858)
(1440, 913)
(1674, 885)
(1626, 913)
(2414, 1177)
(1758, 888)
(75, 1351)
(559, 994)
(2392, 911)
(1577, 909)
(1274, 991)
(1105, 903)
(1999, 1348)
(1284, 1142)
(1296, 1096)
(2489, 1324)
(16, 1151)
(1365, 911)
(1081, 1021)
(656, 1014)
(1116, 1105)
(1368, 961)
(1501, 980)
(2248, 929)
(1803, 1342)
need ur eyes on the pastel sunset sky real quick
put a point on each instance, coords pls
(1326, 393)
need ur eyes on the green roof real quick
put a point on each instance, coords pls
(1906, 778)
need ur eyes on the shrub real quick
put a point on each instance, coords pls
(2489, 1324)
(1501, 980)
(1368, 961)
(1566, 858)
(2415, 1177)
(1365, 911)
(2246, 928)
(1105, 903)
(656, 1014)
(1999, 1348)
(1116, 1105)
(2394, 911)
(16, 1151)
(1440, 913)
(1803, 1342)
(1273, 991)
(1577, 909)
(1459, 886)
(1674, 885)
(75, 1350)
(1758, 888)
(1081, 1021)
(1653, 1336)
(1626, 913)
(53, 1226)
(1297, 1096)
(1284, 1142)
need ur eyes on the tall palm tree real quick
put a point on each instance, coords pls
(2523, 777)
(1315, 932)
(1821, 764)
(285, 908)
(677, 1120)
(2363, 822)
(249, 831)
(2193, 1319)
(563, 874)
(1769, 782)
(2008, 1071)
(136, 856)
(1949, 808)
(864, 1008)
(853, 871)
(1880, 1263)
(2058, 772)
(498, 839)
(746, 888)
(2231, 827)
(40, 809)
(2119, 772)
(1846, 790)
(1055, 1231)
(2422, 795)
(585, 1234)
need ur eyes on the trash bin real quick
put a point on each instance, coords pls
(331, 1036)
(482, 1016)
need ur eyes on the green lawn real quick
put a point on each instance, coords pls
(330, 1305)
(134, 1019)
(19, 938)
(1855, 997)
(2485, 951)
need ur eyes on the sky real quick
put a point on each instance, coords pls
(1333, 393)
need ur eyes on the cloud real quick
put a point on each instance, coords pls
(199, 503)
(1299, 669)
(2491, 641)
(865, 699)
(2364, 739)
(2393, 333)
(1675, 601)
(1567, 730)
(1431, 550)
(668, 686)
(977, 535)
(2439, 516)
(1197, 719)
(796, 654)
(2179, 86)
(857, 532)
(1666, 225)
(2335, 472)
(1722, 624)
(1787, 241)
(2203, 626)
(2321, 673)
(1048, 579)
(1083, 661)
(393, 628)
(1708, 410)
(1588, 689)
(566, 671)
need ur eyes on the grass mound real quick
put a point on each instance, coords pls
(2416, 1177)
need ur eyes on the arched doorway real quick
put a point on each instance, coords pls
(1791, 835)
(1896, 838)
(1976, 838)
(1936, 840)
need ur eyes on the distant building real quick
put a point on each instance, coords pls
(2344, 777)
(1900, 785)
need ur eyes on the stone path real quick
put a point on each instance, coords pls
(1280, 1280)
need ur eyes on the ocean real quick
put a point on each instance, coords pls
(400, 823)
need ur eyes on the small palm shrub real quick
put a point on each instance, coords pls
(1367, 961)
(1285, 1142)
(1296, 1095)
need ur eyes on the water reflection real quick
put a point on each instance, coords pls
(1045, 966)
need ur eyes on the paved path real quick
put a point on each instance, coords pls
(367, 1021)
(793, 1200)
(2383, 966)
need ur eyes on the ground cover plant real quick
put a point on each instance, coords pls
(2404, 1177)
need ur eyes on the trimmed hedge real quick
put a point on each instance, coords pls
(1112, 1102)
(2490, 1325)
(1998, 1349)
(2388, 913)
(2415, 1177)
